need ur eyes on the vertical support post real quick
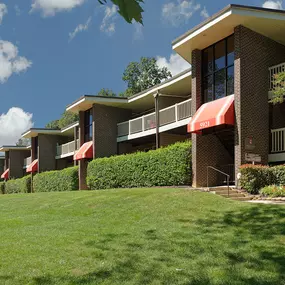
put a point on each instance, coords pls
(75, 134)
(157, 138)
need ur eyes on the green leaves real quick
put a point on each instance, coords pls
(143, 75)
(129, 9)
(58, 180)
(163, 167)
(67, 118)
(279, 89)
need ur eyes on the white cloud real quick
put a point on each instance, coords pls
(138, 34)
(3, 11)
(50, 7)
(80, 28)
(17, 10)
(13, 124)
(273, 5)
(175, 64)
(179, 11)
(10, 62)
(204, 13)
(108, 24)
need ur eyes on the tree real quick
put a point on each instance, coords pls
(106, 93)
(23, 142)
(279, 88)
(67, 118)
(143, 75)
(129, 9)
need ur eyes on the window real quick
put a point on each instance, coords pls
(88, 126)
(218, 70)
(36, 145)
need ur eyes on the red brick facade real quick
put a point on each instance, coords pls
(254, 54)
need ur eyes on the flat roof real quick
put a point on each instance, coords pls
(34, 132)
(179, 84)
(268, 22)
(13, 147)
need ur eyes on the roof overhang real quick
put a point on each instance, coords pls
(5, 148)
(31, 133)
(86, 102)
(268, 22)
(179, 85)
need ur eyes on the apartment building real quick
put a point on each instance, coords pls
(2, 164)
(113, 125)
(51, 149)
(223, 101)
(14, 161)
(234, 56)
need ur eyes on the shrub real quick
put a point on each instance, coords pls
(273, 191)
(163, 167)
(58, 180)
(20, 185)
(255, 177)
(2, 187)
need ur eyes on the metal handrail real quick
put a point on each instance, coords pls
(227, 175)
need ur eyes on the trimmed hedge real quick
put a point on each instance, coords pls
(256, 177)
(20, 185)
(163, 167)
(2, 187)
(58, 180)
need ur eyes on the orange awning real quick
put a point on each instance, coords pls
(215, 113)
(85, 151)
(33, 167)
(5, 174)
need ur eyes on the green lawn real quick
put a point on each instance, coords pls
(142, 236)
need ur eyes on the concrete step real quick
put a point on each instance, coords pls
(245, 198)
(232, 195)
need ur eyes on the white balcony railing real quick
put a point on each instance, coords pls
(169, 115)
(278, 140)
(27, 161)
(67, 148)
(272, 72)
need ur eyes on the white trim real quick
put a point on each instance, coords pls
(189, 73)
(97, 99)
(65, 129)
(202, 29)
(65, 155)
(196, 115)
(75, 104)
(276, 157)
(223, 109)
(152, 131)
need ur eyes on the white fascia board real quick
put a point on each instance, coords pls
(160, 87)
(202, 29)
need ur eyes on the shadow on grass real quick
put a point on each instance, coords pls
(244, 246)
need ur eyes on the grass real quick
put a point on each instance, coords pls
(139, 236)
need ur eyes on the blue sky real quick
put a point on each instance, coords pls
(53, 67)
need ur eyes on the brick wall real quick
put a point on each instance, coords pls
(16, 163)
(105, 119)
(47, 152)
(254, 54)
(2, 165)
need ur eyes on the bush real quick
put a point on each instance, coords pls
(163, 167)
(20, 185)
(256, 177)
(2, 187)
(58, 180)
(273, 191)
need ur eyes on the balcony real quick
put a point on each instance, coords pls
(67, 149)
(27, 161)
(169, 118)
(277, 145)
(272, 72)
